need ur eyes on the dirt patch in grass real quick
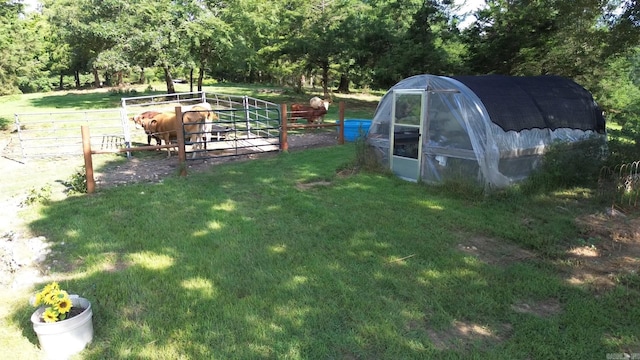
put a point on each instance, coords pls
(544, 308)
(494, 251)
(609, 251)
(311, 185)
(462, 335)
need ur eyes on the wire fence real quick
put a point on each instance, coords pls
(621, 184)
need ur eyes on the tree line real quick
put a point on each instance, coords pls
(341, 43)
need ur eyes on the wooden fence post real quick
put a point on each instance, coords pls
(341, 119)
(284, 145)
(88, 162)
(182, 158)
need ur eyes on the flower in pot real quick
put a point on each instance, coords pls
(56, 301)
(62, 322)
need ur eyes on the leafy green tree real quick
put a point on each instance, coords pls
(314, 40)
(22, 67)
(210, 39)
(9, 12)
(394, 40)
(618, 93)
(256, 32)
(532, 37)
(85, 26)
(509, 34)
(32, 74)
(424, 47)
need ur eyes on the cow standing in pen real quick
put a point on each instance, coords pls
(313, 113)
(197, 124)
(142, 120)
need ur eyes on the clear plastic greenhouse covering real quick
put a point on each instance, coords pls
(492, 129)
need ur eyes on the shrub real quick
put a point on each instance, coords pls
(42, 196)
(366, 157)
(567, 165)
(122, 91)
(77, 183)
(5, 124)
(27, 85)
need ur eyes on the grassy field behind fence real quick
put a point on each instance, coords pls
(295, 257)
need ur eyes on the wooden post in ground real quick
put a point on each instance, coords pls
(284, 146)
(88, 162)
(182, 158)
(341, 119)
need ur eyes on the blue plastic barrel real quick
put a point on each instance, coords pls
(354, 128)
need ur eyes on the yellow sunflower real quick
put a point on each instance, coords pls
(51, 298)
(50, 315)
(64, 305)
(54, 286)
(38, 300)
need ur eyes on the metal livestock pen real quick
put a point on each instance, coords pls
(245, 125)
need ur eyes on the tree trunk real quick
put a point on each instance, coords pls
(142, 80)
(96, 79)
(200, 78)
(61, 83)
(76, 77)
(298, 84)
(325, 79)
(171, 89)
(120, 79)
(343, 88)
(191, 80)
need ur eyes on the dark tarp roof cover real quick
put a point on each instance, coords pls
(552, 102)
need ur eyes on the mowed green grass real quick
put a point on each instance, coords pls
(287, 258)
(242, 262)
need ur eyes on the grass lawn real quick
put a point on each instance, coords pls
(289, 257)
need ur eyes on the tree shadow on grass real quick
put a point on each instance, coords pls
(240, 263)
(94, 100)
(90, 100)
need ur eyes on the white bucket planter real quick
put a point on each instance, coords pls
(61, 339)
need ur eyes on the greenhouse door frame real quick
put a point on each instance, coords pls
(408, 116)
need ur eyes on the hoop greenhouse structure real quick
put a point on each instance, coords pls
(492, 129)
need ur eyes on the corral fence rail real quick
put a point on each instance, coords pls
(53, 134)
(286, 125)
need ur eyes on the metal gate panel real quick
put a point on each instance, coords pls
(57, 134)
(242, 131)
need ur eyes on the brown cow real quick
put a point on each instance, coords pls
(142, 120)
(196, 124)
(164, 126)
(311, 114)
